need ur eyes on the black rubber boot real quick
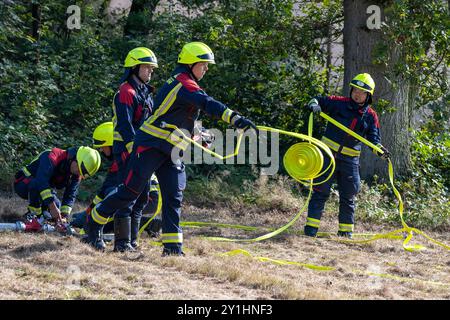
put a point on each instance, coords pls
(154, 227)
(172, 251)
(135, 224)
(28, 216)
(310, 231)
(122, 229)
(94, 237)
(345, 234)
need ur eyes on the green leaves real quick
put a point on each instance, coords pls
(421, 32)
(270, 62)
(53, 92)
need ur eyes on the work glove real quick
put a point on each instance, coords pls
(203, 136)
(64, 228)
(243, 123)
(207, 138)
(385, 155)
(28, 216)
(313, 106)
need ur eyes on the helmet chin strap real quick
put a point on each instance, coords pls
(136, 73)
(110, 157)
(192, 72)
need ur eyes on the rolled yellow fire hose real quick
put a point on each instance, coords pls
(304, 162)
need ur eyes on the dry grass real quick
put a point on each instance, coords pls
(40, 266)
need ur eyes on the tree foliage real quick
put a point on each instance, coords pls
(422, 31)
(56, 88)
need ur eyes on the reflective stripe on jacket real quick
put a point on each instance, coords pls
(362, 120)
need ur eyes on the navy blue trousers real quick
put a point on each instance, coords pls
(79, 219)
(143, 163)
(22, 188)
(348, 180)
(140, 203)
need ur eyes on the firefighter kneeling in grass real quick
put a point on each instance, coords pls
(153, 227)
(55, 169)
(103, 140)
(355, 113)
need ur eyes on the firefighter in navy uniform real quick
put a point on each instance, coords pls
(355, 113)
(103, 140)
(132, 104)
(55, 169)
(178, 103)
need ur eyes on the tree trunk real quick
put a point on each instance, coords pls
(139, 18)
(36, 14)
(35, 34)
(447, 67)
(359, 42)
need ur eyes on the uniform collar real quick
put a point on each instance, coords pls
(64, 167)
(72, 153)
(71, 156)
(356, 107)
(183, 69)
(135, 84)
(363, 109)
(139, 85)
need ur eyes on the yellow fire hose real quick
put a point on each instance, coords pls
(321, 268)
(406, 229)
(314, 267)
(304, 162)
(158, 210)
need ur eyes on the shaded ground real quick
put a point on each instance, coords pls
(46, 266)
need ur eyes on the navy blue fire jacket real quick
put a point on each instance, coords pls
(51, 169)
(362, 120)
(132, 104)
(178, 103)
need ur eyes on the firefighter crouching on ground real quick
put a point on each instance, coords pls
(103, 140)
(55, 169)
(132, 104)
(355, 113)
(178, 103)
(153, 228)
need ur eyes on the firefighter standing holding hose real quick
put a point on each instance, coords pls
(355, 113)
(177, 104)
